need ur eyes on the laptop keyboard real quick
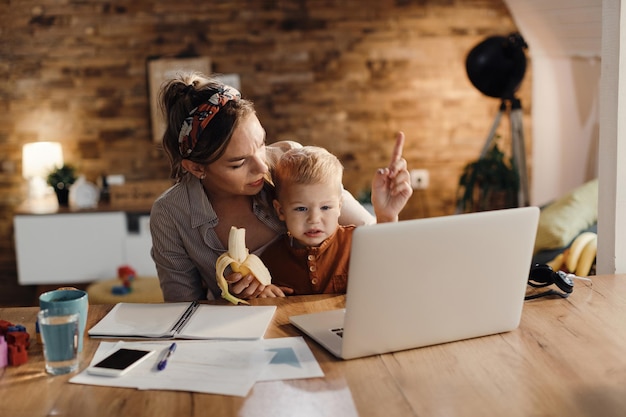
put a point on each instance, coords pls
(338, 331)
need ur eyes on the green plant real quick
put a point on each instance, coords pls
(61, 178)
(488, 183)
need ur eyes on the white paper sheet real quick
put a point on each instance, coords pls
(215, 366)
(293, 360)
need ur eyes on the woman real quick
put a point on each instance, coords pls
(217, 152)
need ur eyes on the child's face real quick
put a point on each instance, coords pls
(310, 211)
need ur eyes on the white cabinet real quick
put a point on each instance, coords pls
(78, 247)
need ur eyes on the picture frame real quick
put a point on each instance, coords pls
(161, 70)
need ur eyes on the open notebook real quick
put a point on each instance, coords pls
(184, 321)
(428, 281)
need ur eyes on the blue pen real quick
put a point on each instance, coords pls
(163, 362)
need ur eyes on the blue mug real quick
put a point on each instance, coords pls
(68, 300)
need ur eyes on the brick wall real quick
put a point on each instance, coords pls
(340, 74)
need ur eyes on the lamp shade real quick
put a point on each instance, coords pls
(39, 158)
(497, 65)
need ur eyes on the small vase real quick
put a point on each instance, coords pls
(63, 195)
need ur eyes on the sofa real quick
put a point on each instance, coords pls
(564, 220)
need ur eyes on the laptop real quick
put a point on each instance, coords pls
(429, 281)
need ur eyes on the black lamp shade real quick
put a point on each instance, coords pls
(496, 66)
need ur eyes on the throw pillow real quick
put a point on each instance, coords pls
(561, 221)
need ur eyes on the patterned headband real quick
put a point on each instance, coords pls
(199, 118)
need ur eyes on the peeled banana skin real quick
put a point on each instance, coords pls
(240, 260)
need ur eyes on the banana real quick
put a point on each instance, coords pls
(576, 249)
(557, 262)
(240, 260)
(587, 256)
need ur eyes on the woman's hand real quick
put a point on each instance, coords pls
(391, 186)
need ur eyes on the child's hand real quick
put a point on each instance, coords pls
(272, 291)
(244, 286)
(391, 186)
(248, 287)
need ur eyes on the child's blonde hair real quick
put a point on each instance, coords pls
(307, 165)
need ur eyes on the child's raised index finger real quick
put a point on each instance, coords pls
(397, 149)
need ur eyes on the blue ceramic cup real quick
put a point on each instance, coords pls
(69, 301)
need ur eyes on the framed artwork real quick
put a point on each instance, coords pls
(162, 70)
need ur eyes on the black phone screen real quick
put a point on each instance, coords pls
(122, 359)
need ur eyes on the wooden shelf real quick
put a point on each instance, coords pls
(49, 205)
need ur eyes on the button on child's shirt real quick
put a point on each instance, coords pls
(312, 263)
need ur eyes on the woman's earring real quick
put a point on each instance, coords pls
(203, 176)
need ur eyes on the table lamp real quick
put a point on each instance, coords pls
(38, 159)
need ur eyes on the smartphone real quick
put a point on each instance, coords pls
(119, 362)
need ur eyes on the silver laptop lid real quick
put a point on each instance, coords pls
(427, 281)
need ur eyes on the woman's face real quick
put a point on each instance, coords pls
(242, 168)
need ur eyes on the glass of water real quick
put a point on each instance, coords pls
(59, 334)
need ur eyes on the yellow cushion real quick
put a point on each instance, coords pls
(563, 220)
(145, 290)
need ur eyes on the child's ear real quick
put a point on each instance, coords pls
(279, 210)
(197, 170)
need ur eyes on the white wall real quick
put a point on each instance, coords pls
(565, 99)
(579, 108)
(612, 173)
(565, 127)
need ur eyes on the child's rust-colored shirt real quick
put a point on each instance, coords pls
(311, 270)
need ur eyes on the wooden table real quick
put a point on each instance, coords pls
(567, 358)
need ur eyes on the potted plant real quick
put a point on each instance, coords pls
(489, 183)
(60, 179)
